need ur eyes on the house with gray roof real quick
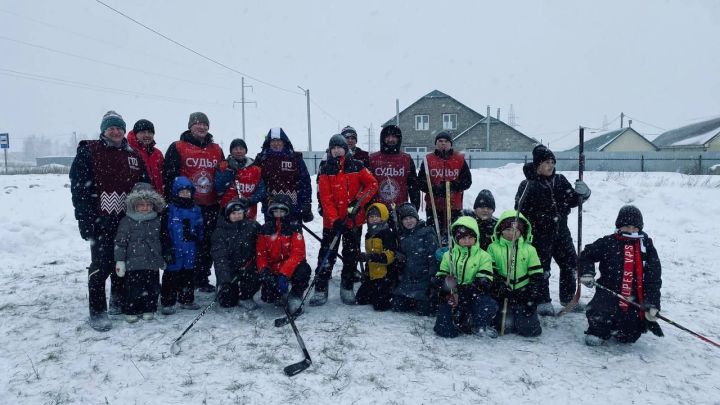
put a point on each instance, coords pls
(700, 136)
(437, 111)
(619, 140)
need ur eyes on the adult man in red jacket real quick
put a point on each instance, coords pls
(195, 156)
(345, 187)
(142, 140)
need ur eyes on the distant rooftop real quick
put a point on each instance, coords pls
(696, 134)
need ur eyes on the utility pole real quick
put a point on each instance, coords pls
(242, 103)
(307, 96)
(487, 128)
(622, 119)
(397, 112)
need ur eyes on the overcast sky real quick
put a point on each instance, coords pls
(560, 64)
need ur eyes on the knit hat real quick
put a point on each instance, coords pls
(348, 131)
(280, 202)
(238, 142)
(407, 210)
(198, 118)
(508, 223)
(143, 125)
(338, 140)
(541, 153)
(462, 231)
(629, 215)
(112, 119)
(444, 135)
(484, 199)
(237, 204)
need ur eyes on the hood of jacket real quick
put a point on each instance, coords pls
(528, 237)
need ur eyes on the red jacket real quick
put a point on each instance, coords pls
(246, 180)
(342, 182)
(153, 159)
(280, 247)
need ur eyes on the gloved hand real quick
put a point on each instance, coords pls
(363, 257)
(588, 280)
(87, 229)
(353, 209)
(400, 257)
(169, 256)
(163, 266)
(651, 314)
(265, 275)
(503, 291)
(339, 226)
(483, 285)
(307, 215)
(439, 190)
(282, 284)
(233, 164)
(582, 189)
(120, 269)
(440, 252)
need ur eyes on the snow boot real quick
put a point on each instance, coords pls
(131, 318)
(347, 296)
(293, 304)
(319, 298)
(546, 309)
(487, 331)
(169, 310)
(115, 308)
(248, 304)
(100, 322)
(148, 316)
(592, 340)
(191, 306)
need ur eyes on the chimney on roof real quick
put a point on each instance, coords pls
(629, 123)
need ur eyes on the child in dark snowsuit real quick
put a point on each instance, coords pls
(629, 265)
(465, 278)
(139, 252)
(233, 251)
(380, 248)
(483, 212)
(523, 289)
(185, 230)
(416, 263)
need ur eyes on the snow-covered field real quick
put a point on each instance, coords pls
(49, 355)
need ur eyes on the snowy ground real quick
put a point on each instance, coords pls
(49, 355)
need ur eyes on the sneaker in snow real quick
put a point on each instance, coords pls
(192, 306)
(580, 307)
(248, 305)
(148, 316)
(592, 340)
(319, 298)
(168, 310)
(347, 296)
(131, 318)
(546, 309)
(100, 322)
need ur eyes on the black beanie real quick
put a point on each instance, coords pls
(407, 210)
(348, 131)
(629, 215)
(238, 142)
(338, 140)
(143, 125)
(541, 153)
(198, 118)
(484, 199)
(444, 135)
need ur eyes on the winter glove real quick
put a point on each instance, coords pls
(169, 256)
(582, 189)
(651, 314)
(307, 215)
(233, 164)
(440, 253)
(265, 275)
(163, 266)
(450, 287)
(588, 280)
(438, 190)
(380, 258)
(362, 257)
(503, 291)
(282, 284)
(87, 229)
(353, 209)
(483, 285)
(339, 226)
(400, 258)
(120, 269)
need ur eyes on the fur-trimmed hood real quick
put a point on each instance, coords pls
(143, 191)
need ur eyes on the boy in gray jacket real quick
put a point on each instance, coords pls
(139, 252)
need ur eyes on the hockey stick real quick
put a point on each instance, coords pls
(641, 308)
(512, 258)
(581, 168)
(314, 235)
(432, 201)
(289, 318)
(303, 364)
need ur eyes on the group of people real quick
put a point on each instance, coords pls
(193, 209)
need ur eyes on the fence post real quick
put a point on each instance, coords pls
(642, 163)
(471, 161)
(700, 164)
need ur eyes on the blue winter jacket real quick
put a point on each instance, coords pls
(185, 226)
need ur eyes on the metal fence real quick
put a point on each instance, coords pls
(679, 162)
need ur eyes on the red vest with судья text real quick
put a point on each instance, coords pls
(391, 172)
(442, 170)
(198, 164)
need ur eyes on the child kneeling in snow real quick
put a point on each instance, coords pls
(465, 278)
(380, 248)
(233, 252)
(139, 252)
(523, 288)
(629, 265)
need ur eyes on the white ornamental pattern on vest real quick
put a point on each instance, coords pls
(112, 203)
(388, 190)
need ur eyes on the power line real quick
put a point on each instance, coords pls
(198, 53)
(643, 122)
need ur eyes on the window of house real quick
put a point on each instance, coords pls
(411, 149)
(449, 121)
(422, 122)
